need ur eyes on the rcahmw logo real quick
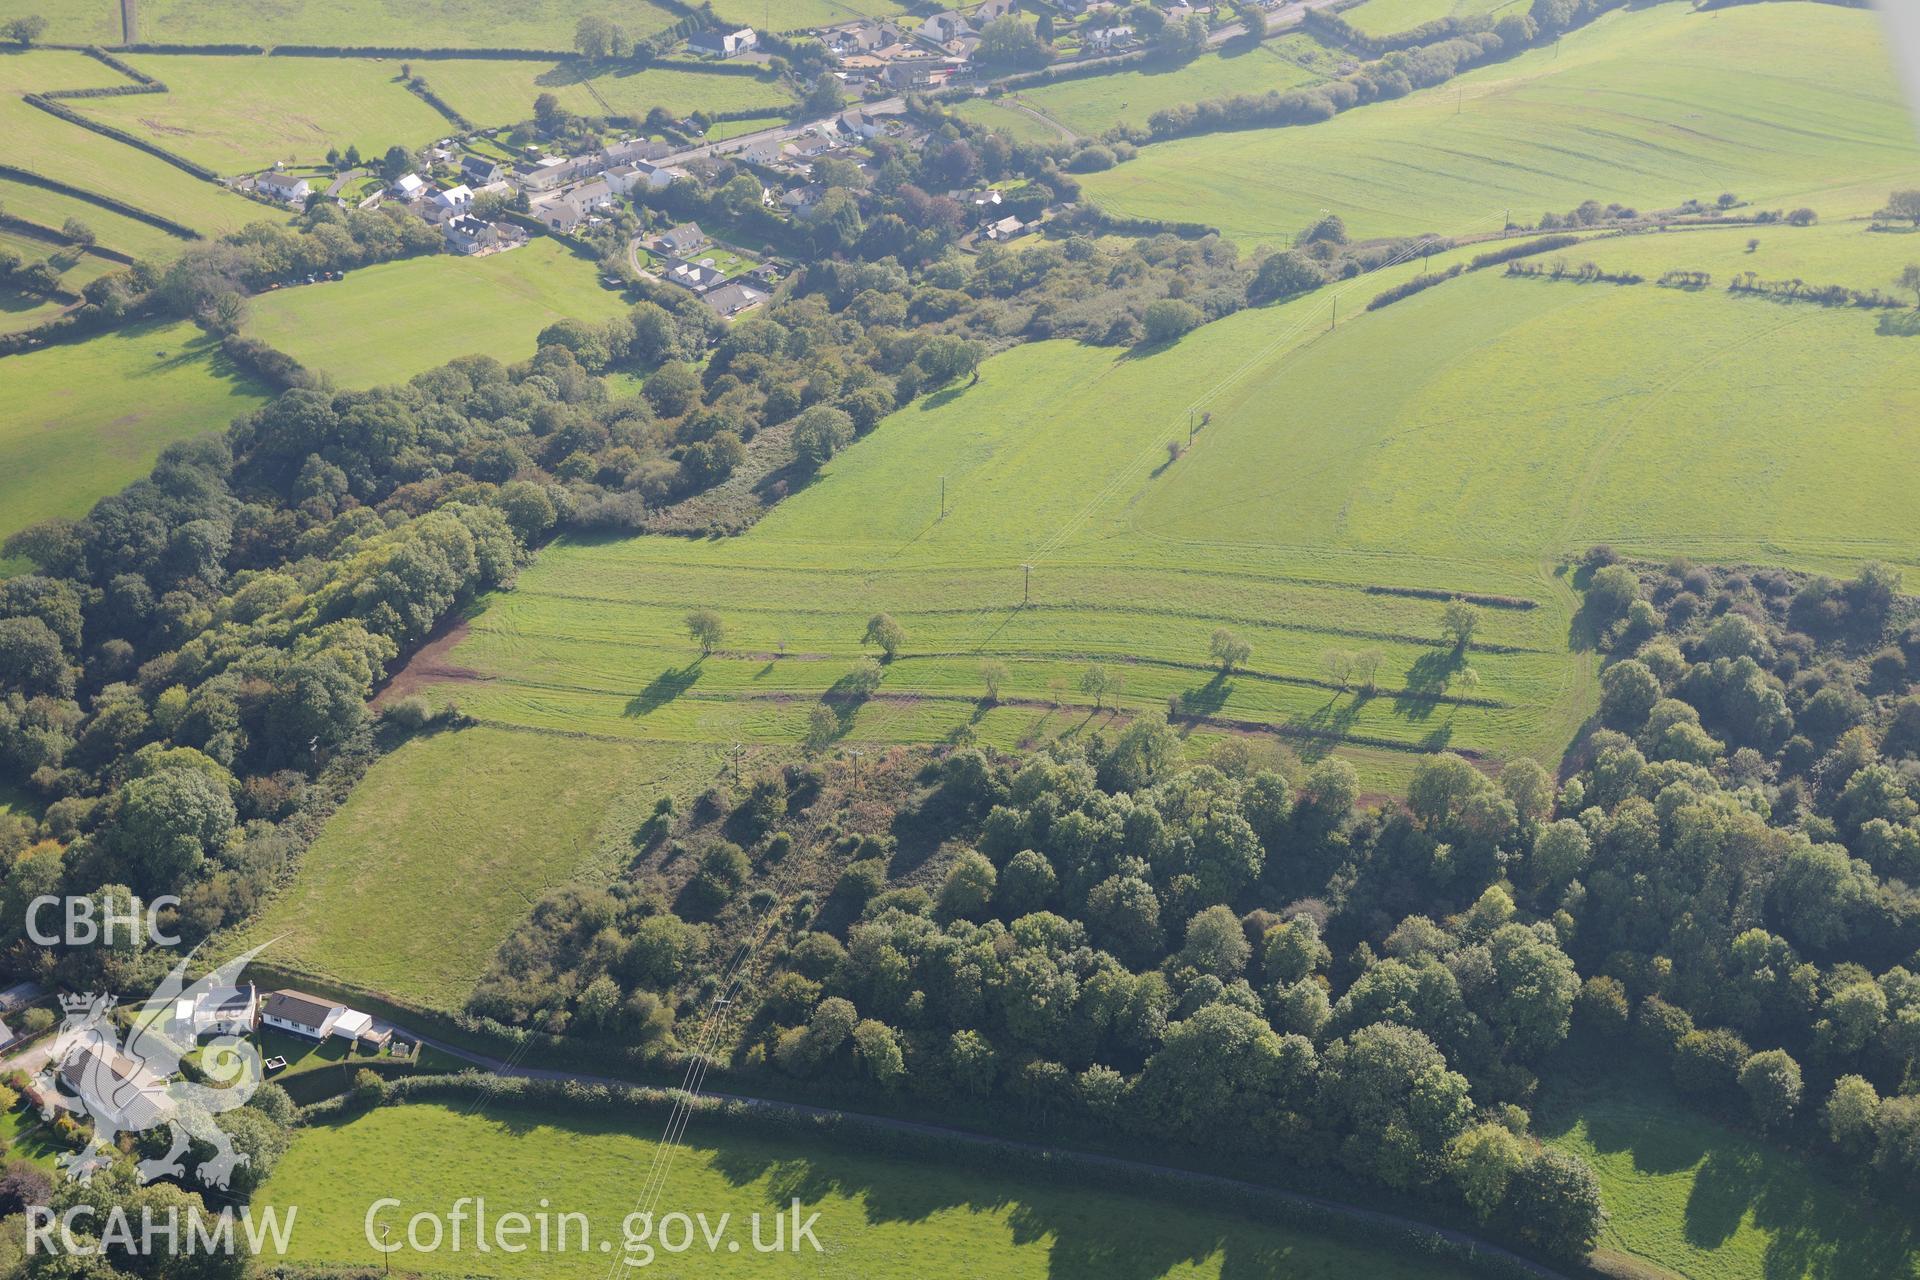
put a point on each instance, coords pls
(152, 1234)
(88, 922)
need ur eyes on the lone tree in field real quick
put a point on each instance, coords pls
(888, 634)
(24, 31)
(1910, 280)
(993, 675)
(1096, 681)
(1458, 621)
(1229, 650)
(1902, 206)
(707, 630)
(1339, 664)
(1366, 664)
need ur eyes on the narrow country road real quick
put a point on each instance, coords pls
(1355, 1213)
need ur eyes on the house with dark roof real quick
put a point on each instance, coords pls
(478, 171)
(300, 1013)
(133, 1097)
(695, 276)
(468, 234)
(734, 297)
(681, 240)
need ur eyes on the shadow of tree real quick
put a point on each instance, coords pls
(1899, 324)
(1208, 698)
(1425, 681)
(663, 688)
(1320, 728)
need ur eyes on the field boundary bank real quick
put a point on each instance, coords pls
(1255, 1201)
(109, 203)
(1248, 620)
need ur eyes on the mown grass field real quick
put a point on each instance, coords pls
(447, 845)
(66, 152)
(452, 24)
(237, 114)
(1389, 17)
(388, 322)
(879, 1217)
(115, 230)
(501, 92)
(86, 418)
(1782, 104)
(1097, 103)
(70, 21)
(1694, 1198)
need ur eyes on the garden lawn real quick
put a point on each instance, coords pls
(446, 846)
(388, 322)
(880, 1217)
(1094, 104)
(458, 24)
(86, 418)
(237, 114)
(1781, 104)
(115, 230)
(1697, 1199)
(1390, 17)
(501, 92)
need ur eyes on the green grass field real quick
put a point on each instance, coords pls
(63, 151)
(386, 323)
(1389, 17)
(240, 114)
(446, 846)
(1782, 104)
(879, 1217)
(530, 24)
(70, 21)
(86, 418)
(1000, 113)
(20, 310)
(501, 92)
(115, 230)
(1097, 103)
(1696, 1199)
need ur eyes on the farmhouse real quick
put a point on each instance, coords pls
(682, 240)
(283, 187)
(1008, 228)
(722, 43)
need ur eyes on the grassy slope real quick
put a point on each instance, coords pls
(1696, 1199)
(68, 153)
(70, 21)
(1784, 104)
(498, 92)
(386, 323)
(116, 231)
(1387, 17)
(1097, 103)
(87, 418)
(19, 310)
(879, 1217)
(240, 114)
(515, 24)
(447, 845)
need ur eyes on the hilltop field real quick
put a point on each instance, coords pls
(1782, 105)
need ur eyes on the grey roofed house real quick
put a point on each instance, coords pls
(292, 1010)
(683, 239)
(635, 150)
(468, 234)
(734, 297)
(478, 171)
(134, 1096)
(697, 276)
(799, 201)
(724, 42)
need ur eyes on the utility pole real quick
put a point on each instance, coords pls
(734, 754)
(1190, 427)
(1336, 313)
(1026, 585)
(943, 497)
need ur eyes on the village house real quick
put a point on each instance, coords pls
(681, 240)
(222, 1011)
(467, 234)
(283, 187)
(478, 171)
(722, 43)
(550, 172)
(625, 178)
(1007, 228)
(799, 202)
(300, 1013)
(860, 124)
(449, 203)
(561, 215)
(132, 1096)
(696, 276)
(634, 150)
(729, 300)
(409, 186)
(944, 28)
